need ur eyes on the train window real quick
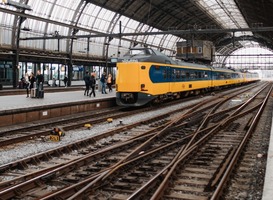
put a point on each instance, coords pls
(168, 74)
(217, 75)
(187, 75)
(164, 74)
(173, 73)
(178, 74)
(192, 75)
(183, 74)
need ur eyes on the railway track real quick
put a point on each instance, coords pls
(198, 171)
(38, 130)
(103, 160)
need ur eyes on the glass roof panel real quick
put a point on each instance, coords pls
(41, 8)
(88, 16)
(63, 11)
(102, 20)
(226, 12)
(127, 25)
(170, 42)
(6, 26)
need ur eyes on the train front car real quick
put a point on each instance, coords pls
(133, 84)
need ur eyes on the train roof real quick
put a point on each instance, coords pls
(146, 54)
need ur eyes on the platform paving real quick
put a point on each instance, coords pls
(268, 182)
(12, 102)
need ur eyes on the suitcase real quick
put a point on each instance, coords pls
(33, 93)
(41, 94)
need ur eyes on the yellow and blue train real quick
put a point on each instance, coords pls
(145, 75)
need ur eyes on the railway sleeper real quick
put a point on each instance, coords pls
(196, 175)
(177, 195)
(188, 188)
(93, 169)
(147, 168)
(118, 190)
(130, 179)
(220, 170)
(191, 182)
(138, 173)
(83, 174)
(123, 186)
(120, 197)
(102, 164)
(71, 178)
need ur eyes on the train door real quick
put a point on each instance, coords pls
(143, 77)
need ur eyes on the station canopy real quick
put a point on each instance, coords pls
(97, 25)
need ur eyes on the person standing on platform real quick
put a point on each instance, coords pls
(22, 83)
(92, 85)
(32, 80)
(39, 84)
(103, 83)
(86, 79)
(65, 81)
(27, 83)
(109, 82)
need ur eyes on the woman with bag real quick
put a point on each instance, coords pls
(27, 83)
(32, 85)
(110, 82)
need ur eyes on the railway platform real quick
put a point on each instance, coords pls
(268, 182)
(16, 91)
(16, 109)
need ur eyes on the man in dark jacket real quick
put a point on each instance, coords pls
(103, 83)
(92, 85)
(39, 84)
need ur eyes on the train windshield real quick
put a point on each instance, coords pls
(134, 52)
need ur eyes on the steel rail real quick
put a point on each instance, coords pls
(138, 150)
(136, 154)
(194, 146)
(132, 154)
(185, 147)
(11, 191)
(218, 191)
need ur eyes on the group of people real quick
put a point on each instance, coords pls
(106, 80)
(90, 82)
(31, 82)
